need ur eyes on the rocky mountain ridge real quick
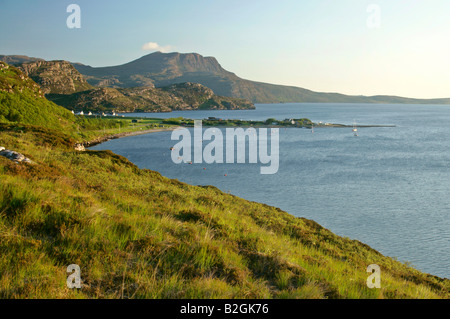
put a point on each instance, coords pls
(61, 83)
(58, 77)
(183, 96)
(164, 69)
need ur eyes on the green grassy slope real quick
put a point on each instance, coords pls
(21, 100)
(136, 234)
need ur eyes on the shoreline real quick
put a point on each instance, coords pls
(103, 139)
(87, 144)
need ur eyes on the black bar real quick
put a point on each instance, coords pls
(222, 308)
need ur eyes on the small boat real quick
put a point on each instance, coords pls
(355, 130)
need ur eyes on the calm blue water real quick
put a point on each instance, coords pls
(388, 188)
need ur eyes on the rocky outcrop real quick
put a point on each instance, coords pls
(79, 147)
(97, 100)
(12, 80)
(183, 96)
(15, 156)
(55, 77)
(64, 85)
(193, 94)
(198, 96)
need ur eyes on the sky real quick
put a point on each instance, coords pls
(357, 47)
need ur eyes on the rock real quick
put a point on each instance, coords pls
(79, 147)
(56, 77)
(14, 156)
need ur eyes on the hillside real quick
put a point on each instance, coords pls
(182, 96)
(15, 60)
(22, 100)
(162, 69)
(64, 85)
(57, 77)
(137, 234)
(197, 96)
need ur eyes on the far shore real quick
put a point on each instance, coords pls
(103, 139)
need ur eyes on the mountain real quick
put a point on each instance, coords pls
(15, 60)
(159, 69)
(162, 69)
(63, 84)
(58, 77)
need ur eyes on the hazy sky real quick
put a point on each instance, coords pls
(326, 46)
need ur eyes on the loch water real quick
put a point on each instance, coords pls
(388, 187)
